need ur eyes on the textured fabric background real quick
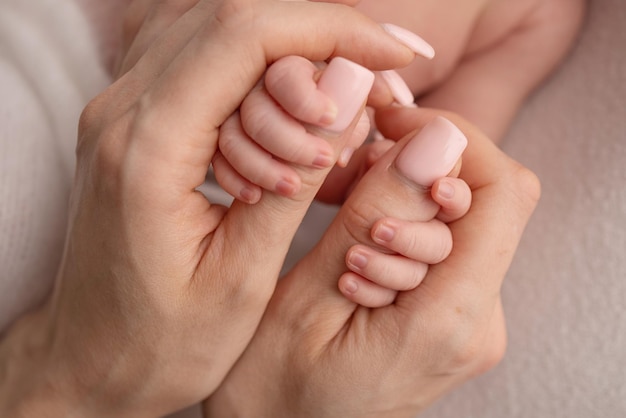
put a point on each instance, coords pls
(49, 68)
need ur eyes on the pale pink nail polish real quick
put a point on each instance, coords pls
(348, 85)
(411, 40)
(345, 156)
(432, 153)
(398, 88)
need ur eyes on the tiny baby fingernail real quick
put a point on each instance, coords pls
(350, 286)
(357, 260)
(250, 195)
(411, 40)
(286, 188)
(432, 153)
(398, 88)
(348, 85)
(323, 161)
(445, 190)
(384, 233)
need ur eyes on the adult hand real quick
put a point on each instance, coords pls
(160, 291)
(146, 20)
(317, 354)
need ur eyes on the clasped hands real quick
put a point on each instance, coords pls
(164, 299)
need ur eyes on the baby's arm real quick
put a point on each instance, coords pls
(492, 79)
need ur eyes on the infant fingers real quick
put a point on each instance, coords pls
(429, 242)
(252, 162)
(282, 135)
(232, 183)
(391, 271)
(361, 291)
(291, 81)
(454, 196)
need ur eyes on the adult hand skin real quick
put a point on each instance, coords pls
(160, 291)
(316, 354)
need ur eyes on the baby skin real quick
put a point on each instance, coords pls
(283, 121)
(491, 54)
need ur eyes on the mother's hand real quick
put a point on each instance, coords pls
(316, 354)
(159, 290)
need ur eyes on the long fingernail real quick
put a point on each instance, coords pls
(411, 40)
(398, 88)
(348, 85)
(345, 156)
(432, 153)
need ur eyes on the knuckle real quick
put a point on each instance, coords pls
(525, 186)
(356, 220)
(491, 356)
(280, 73)
(255, 118)
(234, 13)
(459, 345)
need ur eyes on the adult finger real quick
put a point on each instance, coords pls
(245, 44)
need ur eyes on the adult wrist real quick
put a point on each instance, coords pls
(36, 382)
(29, 386)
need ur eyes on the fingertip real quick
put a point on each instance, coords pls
(384, 231)
(250, 194)
(288, 186)
(443, 191)
(361, 291)
(454, 197)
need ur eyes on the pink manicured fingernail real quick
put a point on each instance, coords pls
(345, 156)
(432, 153)
(411, 40)
(348, 85)
(377, 136)
(399, 90)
